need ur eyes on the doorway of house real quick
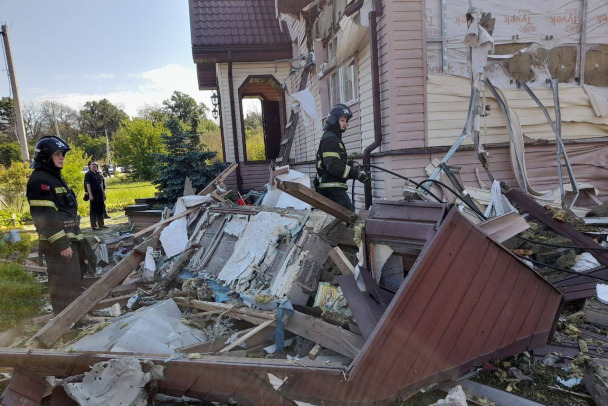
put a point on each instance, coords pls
(262, 103)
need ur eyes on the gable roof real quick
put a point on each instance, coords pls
(249, 31)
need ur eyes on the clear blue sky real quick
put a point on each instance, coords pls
(132, 52)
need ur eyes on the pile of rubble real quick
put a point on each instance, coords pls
(267, 305)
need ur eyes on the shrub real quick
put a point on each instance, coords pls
(20, 295)
(18, 251)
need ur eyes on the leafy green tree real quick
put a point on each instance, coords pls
(185, 157)
(153, 113)
(184, 108)
(94, 147)
(59, 117)
(13, 182)
(7, 117)
(254, 136)
(136, 144)
(97, 116)
(9, 152)
(75, 161)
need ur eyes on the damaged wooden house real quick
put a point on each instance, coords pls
(405, 68)
(280, 303)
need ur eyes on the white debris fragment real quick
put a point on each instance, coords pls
(156, 329)
(149, 265)
(569, 383)
(113, 382)
(236, 226)
(584, 262)
(455, 397)
(278, 198)
(382, 252)
(174, 237)
(601, 291)
(261, 236)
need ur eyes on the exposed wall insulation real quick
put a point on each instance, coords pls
(554, 26)
(448, 101)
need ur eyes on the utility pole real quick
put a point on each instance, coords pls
(25, 155)
(109, 161)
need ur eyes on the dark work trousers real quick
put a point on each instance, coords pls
(65, 277)
(97, 210)
(339, 196)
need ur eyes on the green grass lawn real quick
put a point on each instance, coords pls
(121, 192)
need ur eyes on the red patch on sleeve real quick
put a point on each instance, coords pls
(45, 187)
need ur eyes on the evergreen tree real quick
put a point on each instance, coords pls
(185, 157)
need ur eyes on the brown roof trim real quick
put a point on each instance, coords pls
(215, 54)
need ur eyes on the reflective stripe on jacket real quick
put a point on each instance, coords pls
(332, 165)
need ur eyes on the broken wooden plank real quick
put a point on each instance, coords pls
(317, 200)
(596, 312)
(69, 316)
(176, 267)
(212, 186)
(122, 300)
(327, 335)
(538, 212)
(596, 381)
(314, 352)
(250, 334)
(34, 268)
(254, 316)
(365, 310)
(343, 264)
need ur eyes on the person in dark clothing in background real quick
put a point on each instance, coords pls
(55, 212)
(333, 166)
(95, 186)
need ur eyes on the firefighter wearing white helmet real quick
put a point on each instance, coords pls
(333, 166)
(55, 212)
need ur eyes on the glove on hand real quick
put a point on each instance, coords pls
(363, 177)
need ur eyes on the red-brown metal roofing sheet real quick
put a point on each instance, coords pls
(465, 301)
(225, 23)
(409, 225)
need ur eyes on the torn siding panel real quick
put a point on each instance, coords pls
(448, 100)
(588, 159)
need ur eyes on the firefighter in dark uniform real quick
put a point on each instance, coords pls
(333, 166)
(55, 212)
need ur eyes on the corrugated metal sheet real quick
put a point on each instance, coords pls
(465, 301)
(405, 226)
(235, 22)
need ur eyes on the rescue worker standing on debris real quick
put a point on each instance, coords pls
(55, 212)
(333, 167)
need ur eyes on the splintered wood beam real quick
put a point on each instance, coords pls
(317, 200)
(248, 335)
(219, 180)
(327, 335)
(64, 321)
(240, 313)
(343, 264)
